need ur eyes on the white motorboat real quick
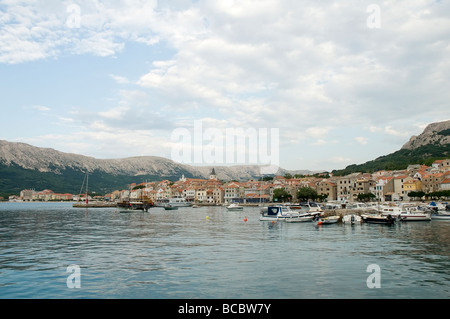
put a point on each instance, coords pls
(393, 211)
(299, 219)
(414, 216)
(441, 215)
(352, 219)
(179, 202)
(357, 206)
(328, 220)
(234, 206)
(273, 213)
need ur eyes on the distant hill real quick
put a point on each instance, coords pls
(24, 166)
(432, 144)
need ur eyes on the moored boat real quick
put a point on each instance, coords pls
(170, 207)
(440, 215)
(234, 206)
(378, 219)
(179, 202)
(352, 219)
(328, 220)
(414, 216)
(299, 219)
(393, 211)
(273, 213)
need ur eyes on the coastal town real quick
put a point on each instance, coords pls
(416, 182)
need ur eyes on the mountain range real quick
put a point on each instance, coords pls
(24, 166)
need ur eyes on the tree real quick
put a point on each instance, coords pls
(306, 193)
(281, 194)
(416, 194)
(439, 194)
(366, 197)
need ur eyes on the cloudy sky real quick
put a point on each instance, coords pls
(343, 81)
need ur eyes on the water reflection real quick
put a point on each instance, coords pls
(181, 254)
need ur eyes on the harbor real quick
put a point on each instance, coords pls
(212, 252)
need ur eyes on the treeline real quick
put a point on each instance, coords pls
(303, 194)
(444, 194)
(399, 160)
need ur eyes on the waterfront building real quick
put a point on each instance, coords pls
(218, 195)
(413, 185)
(445, 184)
(27, 194)
(399, 191)
(383, 189)
(328, 188)
(432, 182)
(231, 192)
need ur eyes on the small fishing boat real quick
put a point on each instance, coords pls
(299, 219)
(170, 207)
(393, 211)
(414, 216)
(328, 220)
(378, 219)
(352, 219)
(273, 213)
(179, 201)
(440, 215)
(234, 206)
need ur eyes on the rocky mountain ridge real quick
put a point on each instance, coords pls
(435, 133)
(46, 160)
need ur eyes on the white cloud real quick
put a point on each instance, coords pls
(119, 79)
(41, 108)
(361, 140)
(309, 68)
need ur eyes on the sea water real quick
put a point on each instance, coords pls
(52, 250)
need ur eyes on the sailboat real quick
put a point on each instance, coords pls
(85, 204)
(79, 203)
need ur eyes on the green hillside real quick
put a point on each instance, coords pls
(13, 179)
(399, 160)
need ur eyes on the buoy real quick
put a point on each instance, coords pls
(245, 219)
(319, 223)
(273, 222)
(207, 217)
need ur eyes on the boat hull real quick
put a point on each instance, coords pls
(328, 220)
(440, 216)
(415, 217)
(235, 208)
(274, 213)
(384, 220)
(352, 219)
(299, 219)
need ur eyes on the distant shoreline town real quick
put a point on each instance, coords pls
(416, 182)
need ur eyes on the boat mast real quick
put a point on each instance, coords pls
(87, 183)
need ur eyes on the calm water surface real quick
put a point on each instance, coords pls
(184, 254)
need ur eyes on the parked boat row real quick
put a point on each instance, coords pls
(387, 215)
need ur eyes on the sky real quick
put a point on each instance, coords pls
(322, 84)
